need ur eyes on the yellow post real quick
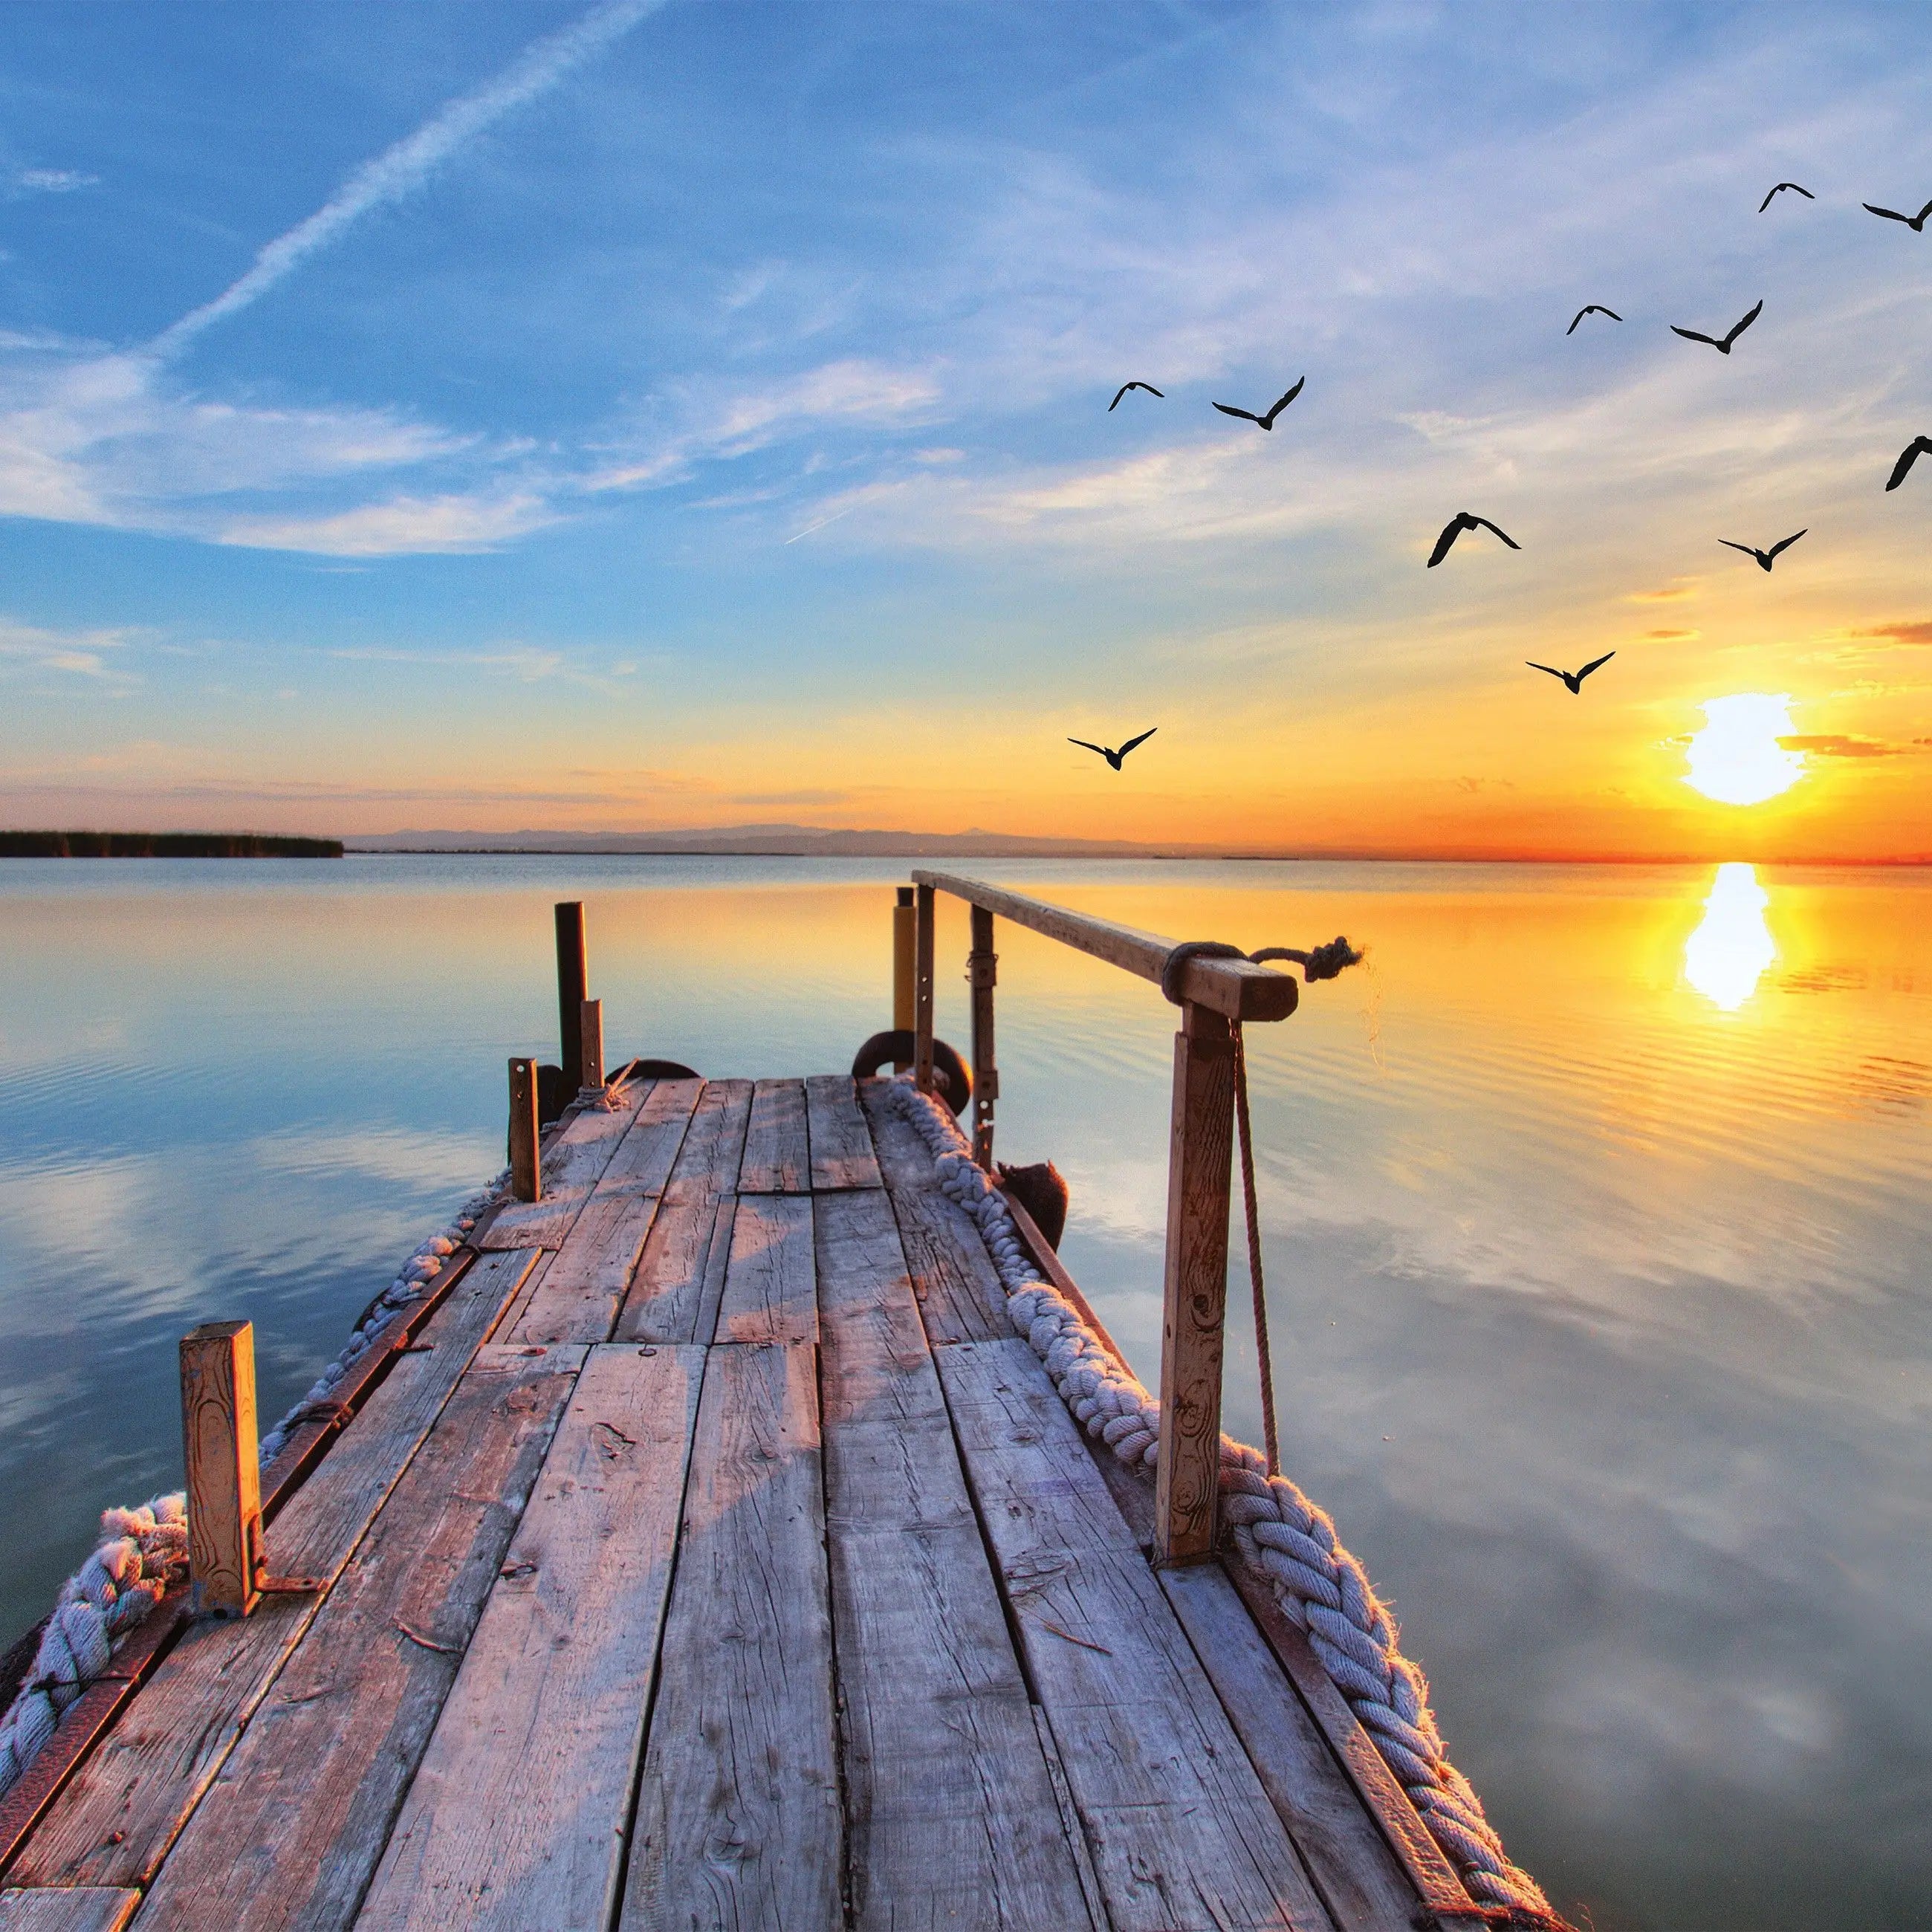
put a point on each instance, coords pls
(905, 934)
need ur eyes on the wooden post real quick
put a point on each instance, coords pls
(905, 921)
(982, 974)
(591, 1072)
(922, 1023)
(224, 1477)
(1200, 1159)
(526, 1176)
(571, 986)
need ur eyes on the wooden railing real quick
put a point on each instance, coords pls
(1215, 996)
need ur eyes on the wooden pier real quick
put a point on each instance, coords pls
(709, 1552)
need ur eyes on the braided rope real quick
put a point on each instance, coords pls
(1284, 1537)
(143, 1551)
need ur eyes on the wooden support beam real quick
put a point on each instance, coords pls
(905, 922)
(983, 965)
(1200, 1160)
(526, 1179)
(923, 968)
(572, 984)
(224, 1479)
(1233, 987)
(591, 1031)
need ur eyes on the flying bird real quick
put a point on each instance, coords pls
(1592, 308)
(1112, 757)
(1572, 680)
(1919, 446)
(1125, 386)
(1780, 189)
(1267, 421)
(1461, 521)
(1723, 346)
(1916, 222)
(1766, 558)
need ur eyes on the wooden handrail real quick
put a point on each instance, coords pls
(1230, 987)
(1215, 996)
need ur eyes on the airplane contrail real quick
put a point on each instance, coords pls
(410, 162)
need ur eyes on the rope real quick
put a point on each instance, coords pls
(143, 1553)
(1319, 962)
(1282, 1536)
(1263, 1358)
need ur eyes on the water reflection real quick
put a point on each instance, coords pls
(1728, 954)
(1603, 1328)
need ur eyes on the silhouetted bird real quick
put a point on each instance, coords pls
(1267, 421)
(1125, 386)
(1572, 680)
(1916, 222)
(1112, 757)
(1723, 346)
(1780, 189)
(1592, 308)
(1461, 521)
(1766, 558)
(1919, 446)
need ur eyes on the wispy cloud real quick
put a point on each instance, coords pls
(400, 169)
(84, 654)
(51, 181)
(412, 525)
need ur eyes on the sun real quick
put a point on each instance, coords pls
(1736, 758)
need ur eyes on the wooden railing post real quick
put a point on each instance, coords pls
(1200, 1162)
(224, 1478)
(982, 974)
(905, 921)
(572, 986)
(526, 1175)
(591, 1073)
(923, 967)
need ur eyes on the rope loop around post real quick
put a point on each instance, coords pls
(1325, 961)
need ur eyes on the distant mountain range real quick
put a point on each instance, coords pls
(781, 842)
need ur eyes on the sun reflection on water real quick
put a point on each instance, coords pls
(1727, 955)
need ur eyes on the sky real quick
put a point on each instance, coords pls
(668, 413)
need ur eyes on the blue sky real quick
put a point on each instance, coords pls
(557, 414)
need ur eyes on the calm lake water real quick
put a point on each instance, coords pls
(1596, 1207)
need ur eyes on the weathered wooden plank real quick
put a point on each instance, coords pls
(118, 1816)
(573, 1163)
(777, 1158)
(648, 1152)
(586, 1280)
(770, 1292)
(679, 1279)
(1182, 1831)
(953, 1277)
(714, 1143)
(516, 1818)
(738, 1817)
(842, 1143)
(1361, 1882)
(80, 1908)
(1201, 1142)
(950, 1805)
(1434, 1878)
(903, 1159)
(291, 1832)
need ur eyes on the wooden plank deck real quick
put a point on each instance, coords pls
(723, 1560)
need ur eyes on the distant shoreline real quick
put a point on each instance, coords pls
(164, 845)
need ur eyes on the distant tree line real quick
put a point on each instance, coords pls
(163, 845)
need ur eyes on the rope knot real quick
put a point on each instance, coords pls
(1327, 962)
